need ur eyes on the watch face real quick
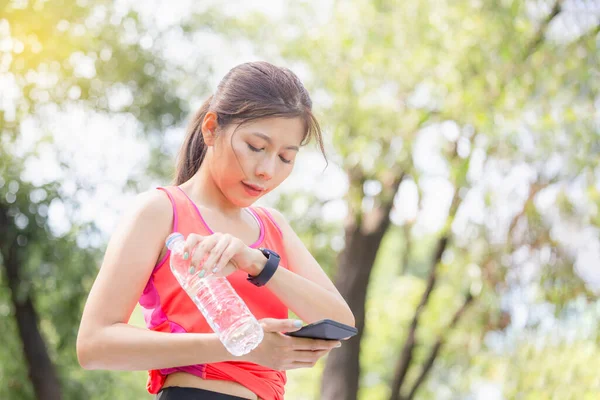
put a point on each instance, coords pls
(266, 252)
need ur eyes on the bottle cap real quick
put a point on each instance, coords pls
(172, 238)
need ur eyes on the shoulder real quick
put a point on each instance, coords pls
(277, 216)
(152, 201)
(151, 207)
(287, 232)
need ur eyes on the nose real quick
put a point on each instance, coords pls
(266, 168)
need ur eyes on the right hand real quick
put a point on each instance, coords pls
(281, 352)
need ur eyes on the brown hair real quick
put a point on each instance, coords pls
(248, 92)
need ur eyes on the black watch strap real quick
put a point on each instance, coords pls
(269, 269)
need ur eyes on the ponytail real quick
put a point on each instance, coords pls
(193, 150)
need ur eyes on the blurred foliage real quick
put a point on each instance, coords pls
(502, 95)
(54, 54)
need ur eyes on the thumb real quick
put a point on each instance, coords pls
(280, 325)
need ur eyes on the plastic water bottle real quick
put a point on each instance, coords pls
(224, 310)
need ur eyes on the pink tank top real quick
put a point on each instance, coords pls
(167, 308)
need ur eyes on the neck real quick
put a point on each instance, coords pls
(203, 190)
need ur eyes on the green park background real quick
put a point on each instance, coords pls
(459, 213)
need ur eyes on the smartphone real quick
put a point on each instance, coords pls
(326, 329)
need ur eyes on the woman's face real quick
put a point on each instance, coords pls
(266, 150)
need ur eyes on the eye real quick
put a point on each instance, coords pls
(259, 150)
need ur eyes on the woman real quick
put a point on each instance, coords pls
(240, 145)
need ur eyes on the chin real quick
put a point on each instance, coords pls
(244, 202)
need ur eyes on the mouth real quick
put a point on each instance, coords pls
(252, 190)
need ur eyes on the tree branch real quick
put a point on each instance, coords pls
(438, 345)
(538, 38)
(409, 345)
(407, 351)
(407, 247)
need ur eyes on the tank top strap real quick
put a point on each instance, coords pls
(272, 227)
(274, 239)
(273, 232)
(186, 217)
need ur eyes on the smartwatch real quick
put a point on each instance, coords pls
(269, 269)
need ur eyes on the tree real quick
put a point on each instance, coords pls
(56, 55)
(486, 79)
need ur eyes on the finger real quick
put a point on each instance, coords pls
(298, 364)
(199, 253)
(314, 344)
(226, 256)
(307, 356)
(227, 270)
(215, 253)
(280, 325)
(190, 243)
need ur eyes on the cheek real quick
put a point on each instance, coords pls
(238, 150)
(232, 164)
(286, 171)
(283, 172)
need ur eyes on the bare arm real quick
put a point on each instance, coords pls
(305, 288)
(105, 340)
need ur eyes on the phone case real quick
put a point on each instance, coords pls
(325, 329)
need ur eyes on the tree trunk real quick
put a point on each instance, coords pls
(42, 373)
(362, 240)
(342, 369)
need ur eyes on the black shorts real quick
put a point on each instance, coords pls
(187, 393)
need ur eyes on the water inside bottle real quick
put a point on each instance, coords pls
(225, 312)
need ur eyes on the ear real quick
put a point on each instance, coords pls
(209, 127)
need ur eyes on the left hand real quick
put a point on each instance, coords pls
(222, 254)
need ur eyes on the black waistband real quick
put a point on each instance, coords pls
(187, 393)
